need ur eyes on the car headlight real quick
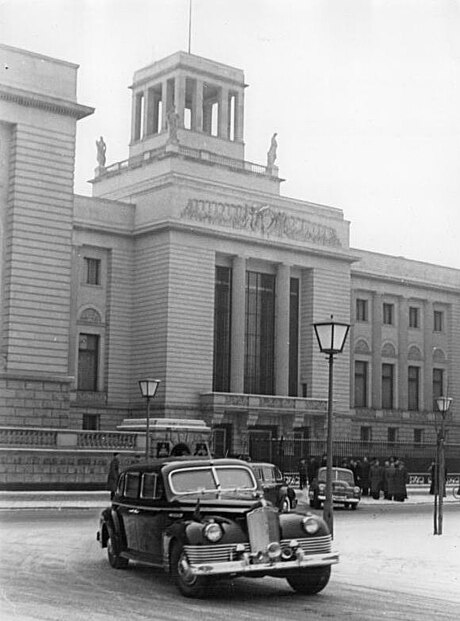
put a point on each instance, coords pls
(310, 525)
(356, 490)
(213, 532)
(322, 487)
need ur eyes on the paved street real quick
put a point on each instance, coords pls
(51, 568)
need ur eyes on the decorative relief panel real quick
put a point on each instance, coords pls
(414, 353)
(90, 315)
(439, 355)
(361, 347)
(388, 351)
(264, 220)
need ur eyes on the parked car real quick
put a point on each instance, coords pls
(202, 519)
(344, 490)
(275, 488)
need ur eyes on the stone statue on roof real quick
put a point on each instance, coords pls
(173, 120)
(271, 154)
(101, 150)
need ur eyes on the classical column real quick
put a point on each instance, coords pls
(164, 105)
(402, 371)
(223, 113)
(377, 320)
(238, 324)
(197, 112)
(179, 96)
(283, 292)
(239, 116)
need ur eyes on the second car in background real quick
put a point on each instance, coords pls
(274, 486)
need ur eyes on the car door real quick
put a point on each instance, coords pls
(152, 518)
(128, 509)
(270, 485)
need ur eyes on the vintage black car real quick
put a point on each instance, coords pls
(202, 519)
(344, 490)
(274, 486)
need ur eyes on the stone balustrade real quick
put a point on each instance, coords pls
(28, 437)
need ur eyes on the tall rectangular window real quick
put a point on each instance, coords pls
(260, 333)
(418, 436)
(294, 338)
(88, 362)
(365, 434)
(438, 321)
(392, 435)
(388, 312)
(414, 319)
(438, 386)
(413, 388)
(361, 310)
(387, 386)
(360, 384)
(222, 329)
(91, 422)
(93, 271)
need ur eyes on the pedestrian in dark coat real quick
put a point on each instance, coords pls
(389, 480)
(376, 479)
(113, 474)
(363, 473)
(401, 481)
(302, 472)
(312, 469)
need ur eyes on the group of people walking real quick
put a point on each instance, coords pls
(388, 480)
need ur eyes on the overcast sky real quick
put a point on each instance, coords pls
(364, 95)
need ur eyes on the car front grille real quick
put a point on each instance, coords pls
(227, 552)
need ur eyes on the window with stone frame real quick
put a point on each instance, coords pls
(438, 321)
(413, 396)
(361, 374)
(92, 271)
(388, 314)
(88, 362)
(361, 310)
(414, 317)
(387, 386)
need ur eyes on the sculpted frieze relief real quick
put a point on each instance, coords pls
(263, 220)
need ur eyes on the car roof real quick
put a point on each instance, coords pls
(337, 469)
(182, 462)
(261, 463)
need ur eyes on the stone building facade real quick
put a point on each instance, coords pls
(187, 264)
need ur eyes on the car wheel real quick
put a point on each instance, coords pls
(346, 505)
(354, 506)
(285, 505)
(116, 561)
(187, 583)
(310, 581)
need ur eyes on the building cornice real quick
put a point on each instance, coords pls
(404, 282)
(44, 102)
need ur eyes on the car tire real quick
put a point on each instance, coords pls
(310, 581)
(354, 506)
(115, 560)
(188, 584)
(346, 505)
(285, 505)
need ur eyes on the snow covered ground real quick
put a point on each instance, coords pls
(405, 555)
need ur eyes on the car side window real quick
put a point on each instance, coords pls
(132, 484)
(152, 486)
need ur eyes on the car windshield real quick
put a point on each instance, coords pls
(338, 474)
(219, 478)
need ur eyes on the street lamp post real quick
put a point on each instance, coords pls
(331, 336)
(443, 404)
(148, 388)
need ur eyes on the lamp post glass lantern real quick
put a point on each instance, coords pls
(148, 388)
(443, 404)
(331, 336)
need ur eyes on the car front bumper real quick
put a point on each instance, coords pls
(338, 499)
(246, 565)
